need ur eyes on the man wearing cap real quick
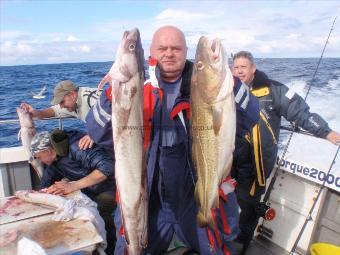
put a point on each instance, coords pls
(91, 171)
(69, 100)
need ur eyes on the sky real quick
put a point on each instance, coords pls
(47, 31)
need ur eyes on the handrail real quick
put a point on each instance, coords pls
(61, 123)
(14, 121)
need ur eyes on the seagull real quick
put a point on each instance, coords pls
(40, 95)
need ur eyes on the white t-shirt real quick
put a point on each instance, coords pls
(87, 97)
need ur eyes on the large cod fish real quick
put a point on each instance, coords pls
(126, 77)
(26, 133)
(213, 124)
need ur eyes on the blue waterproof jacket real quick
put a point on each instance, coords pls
(276, 100)
(170, 173)
(98, 121)
(80, 163)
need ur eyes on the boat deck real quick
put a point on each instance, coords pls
(263, 246)
(258, 246)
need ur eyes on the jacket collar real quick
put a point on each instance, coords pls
(186, 80)
(260, 80)
(184, 92)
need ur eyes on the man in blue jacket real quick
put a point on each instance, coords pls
(69, 168)
(170, 173)
(256, 151)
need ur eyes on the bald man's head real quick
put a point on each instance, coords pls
(168, 46)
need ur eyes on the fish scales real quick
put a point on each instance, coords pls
(126, 77)
(213, 124)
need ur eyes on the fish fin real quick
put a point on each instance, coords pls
(106, 79)
(216, 201)
(193, 80)
(217, 113)
(115, 90)
(196, 195)
(126, 234)
(226, 170)
(144, 234)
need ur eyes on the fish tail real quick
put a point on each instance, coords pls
(205, 220)
(202, 221)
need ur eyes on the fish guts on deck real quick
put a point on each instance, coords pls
(126, 77)
(213, 124)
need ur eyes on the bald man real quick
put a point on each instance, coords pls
(170, 173)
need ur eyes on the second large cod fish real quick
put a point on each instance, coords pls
(126, 77)
(213, 124)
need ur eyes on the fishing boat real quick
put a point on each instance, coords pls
(301, 184)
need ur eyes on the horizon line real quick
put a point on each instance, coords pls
(191, 59)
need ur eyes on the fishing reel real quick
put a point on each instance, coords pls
(265, 211)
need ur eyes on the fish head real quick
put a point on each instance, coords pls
(210, 69)
(129, 58)
(25, 118)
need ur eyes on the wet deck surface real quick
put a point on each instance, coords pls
(262, 246)
(259, 246)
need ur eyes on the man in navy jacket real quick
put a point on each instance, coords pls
(170, 173)
(69, 168)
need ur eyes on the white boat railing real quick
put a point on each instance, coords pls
(60, 119)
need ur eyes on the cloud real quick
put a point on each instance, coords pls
(283, 29)
(284, 22)
(55, 52)
(12, 34)
(11, 49)
(85, 48)
(71, 38)
(173, 14)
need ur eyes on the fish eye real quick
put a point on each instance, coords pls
(132, 47)
(200, 65)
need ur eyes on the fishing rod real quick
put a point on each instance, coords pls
(324, 48)
(264, 210)
(309, 216)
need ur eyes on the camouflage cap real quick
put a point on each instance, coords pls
(62, 89)
(40, 142)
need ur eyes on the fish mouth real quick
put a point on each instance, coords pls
(21, 110)
(212, 48)
(131, 33)
(215, 49)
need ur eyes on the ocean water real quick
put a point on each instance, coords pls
(18, 82)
